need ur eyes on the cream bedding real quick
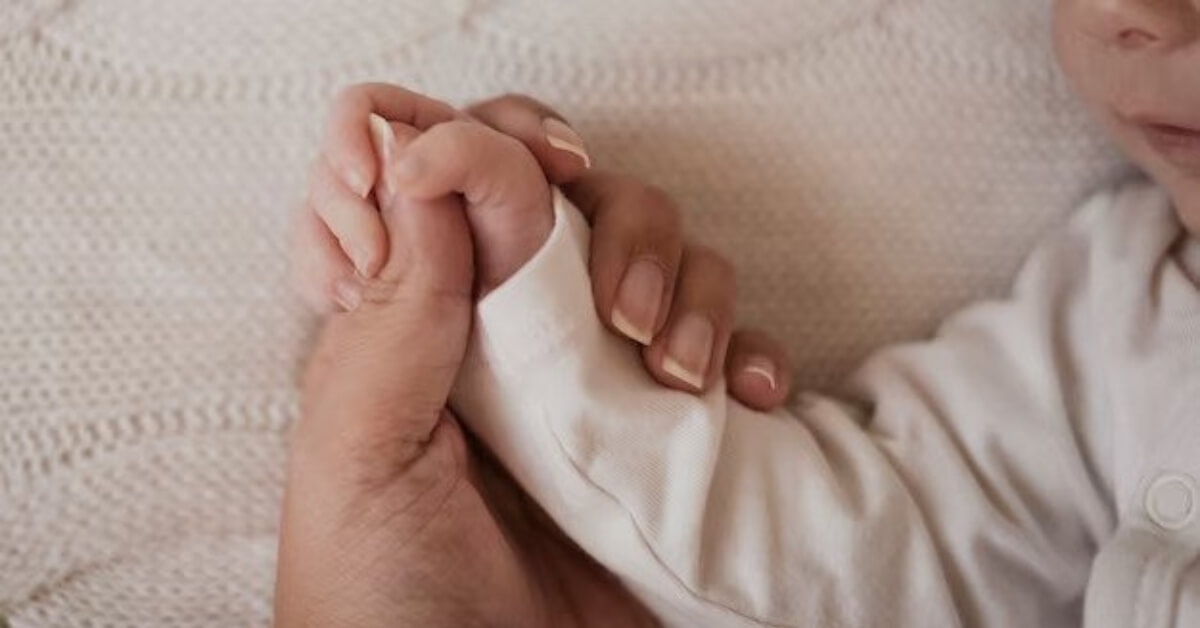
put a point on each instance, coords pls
(869, 164)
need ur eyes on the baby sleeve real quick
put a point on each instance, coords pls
(951, 489)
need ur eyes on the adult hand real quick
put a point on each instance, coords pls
(390, 518)
(638, 253)
(650, 284)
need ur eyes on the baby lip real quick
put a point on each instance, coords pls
(1175, 137)
(1174, 130)
(1174, 140)
(1165, 124)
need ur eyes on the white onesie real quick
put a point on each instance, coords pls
(1033, 465)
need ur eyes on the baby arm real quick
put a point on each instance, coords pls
(958, 489)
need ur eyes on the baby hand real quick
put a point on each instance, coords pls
(507, 198)
(650, 284)
(433, 151)
(340, 238)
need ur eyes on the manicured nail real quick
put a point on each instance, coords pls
(382, 137)
(762, 367)
(690, 350)
(639, 298)
(384, 141)
(348, 295)
(563, 137)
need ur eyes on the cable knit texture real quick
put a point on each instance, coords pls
(869, 165)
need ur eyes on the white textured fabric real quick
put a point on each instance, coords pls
(1040, 451)
(869, 165)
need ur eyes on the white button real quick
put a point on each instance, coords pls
(1171, 501)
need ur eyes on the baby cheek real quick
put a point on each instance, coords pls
(1071, 48)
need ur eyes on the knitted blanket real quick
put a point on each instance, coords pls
(869, 165)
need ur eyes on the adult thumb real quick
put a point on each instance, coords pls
(375, 454)
(381, 374)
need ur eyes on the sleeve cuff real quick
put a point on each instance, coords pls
(546, 304)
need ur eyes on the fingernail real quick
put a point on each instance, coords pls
(348, 295)
(382, 137)
(357, 183)
(690, 350)
(361, 259)
(384, 141)
(563, 137)
(639, 298)
(762, 367)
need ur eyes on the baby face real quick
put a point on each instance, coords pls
(1137, 65)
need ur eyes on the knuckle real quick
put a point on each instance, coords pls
(460, 134)
(502, 148)
(654, 195)
(659, 204)
(453, 138)
(352, 96)
(471, 141)
(514, 99)
(345, 97)
(451, 129)
(749, 341)
(647, 196)
(597, 179)
(755, 338)
(521, 102)
(713, 262)
(601, 183)
(593, 188)
(617, 186)
(634, 197)
(502, 141)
